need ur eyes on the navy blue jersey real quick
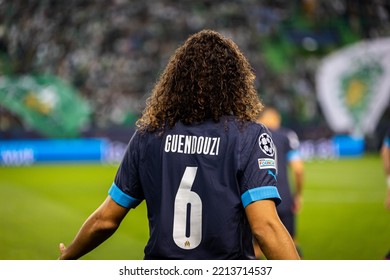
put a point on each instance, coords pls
(196, 181)
(287, 144)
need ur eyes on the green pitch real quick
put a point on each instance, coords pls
(41, 206)
(343, 216)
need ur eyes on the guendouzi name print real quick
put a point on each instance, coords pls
(190, 144)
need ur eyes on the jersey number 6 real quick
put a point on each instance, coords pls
(187, 219)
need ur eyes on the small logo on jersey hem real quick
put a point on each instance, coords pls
(272, 174)
(266, 163)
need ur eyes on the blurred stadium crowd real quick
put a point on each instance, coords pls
(113, 51)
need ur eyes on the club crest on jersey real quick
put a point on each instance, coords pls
(266, 163)
(266, 144)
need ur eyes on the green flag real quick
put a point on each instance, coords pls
(357, 88)
(353, 86)
(45, 103)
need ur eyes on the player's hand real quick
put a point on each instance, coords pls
(298, 201)
(62, 248)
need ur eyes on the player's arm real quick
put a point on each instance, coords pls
(385, 154)
(297, 168)
(100, 225)
(271, 235)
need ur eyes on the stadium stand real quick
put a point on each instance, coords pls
(113, 51)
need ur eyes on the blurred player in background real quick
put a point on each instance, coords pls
(385, 153)
(288, 156)
(195, 160)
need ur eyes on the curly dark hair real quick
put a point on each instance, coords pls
(206, 78)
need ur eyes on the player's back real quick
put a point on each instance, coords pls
(192, 179)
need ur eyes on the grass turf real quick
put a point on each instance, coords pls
(41, 206)
(343, 215)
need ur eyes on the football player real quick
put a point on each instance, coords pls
(199, 160)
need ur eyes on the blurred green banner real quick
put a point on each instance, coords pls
(45, 103)
(353, 86)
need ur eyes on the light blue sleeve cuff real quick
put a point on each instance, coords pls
(387, 142)
(122, 198)
(293, 155)
(260, 193)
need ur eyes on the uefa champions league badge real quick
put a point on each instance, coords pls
(267, 145)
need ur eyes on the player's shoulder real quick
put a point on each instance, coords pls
(139, 139)
(291, 136)
(284, 130)
(250, 132)
(135, 137)
(250, 126)
(287, 132)
(254, 132)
